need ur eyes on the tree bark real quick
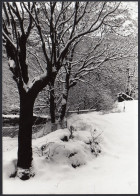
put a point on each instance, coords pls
(64, 105)
(62, 123)
(25, 131)
(52, 103)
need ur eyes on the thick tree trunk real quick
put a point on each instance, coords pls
(25, 131)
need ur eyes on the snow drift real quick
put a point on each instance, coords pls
(101, 157)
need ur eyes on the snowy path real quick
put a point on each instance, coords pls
(115, 171)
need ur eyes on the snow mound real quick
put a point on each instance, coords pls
(57, 156)
(59, 148)
(10, 168)
(126, 106)
(78, 123)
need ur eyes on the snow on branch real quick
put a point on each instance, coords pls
(37, 58)
(8, 39)
(39, 30)
(94, 27)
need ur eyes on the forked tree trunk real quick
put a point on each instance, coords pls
(62, 121)
(25, 131)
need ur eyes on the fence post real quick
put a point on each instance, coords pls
(78, 110)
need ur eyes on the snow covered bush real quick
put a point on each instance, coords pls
(74, 146)
(60, 148)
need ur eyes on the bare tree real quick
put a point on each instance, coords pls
(63, 24)
(17, 27)
(98, 51)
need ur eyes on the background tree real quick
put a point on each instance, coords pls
(62, 24)
(101, 67)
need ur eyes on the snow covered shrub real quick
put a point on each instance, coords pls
(64, 153)
(74, 149)
(71, 129)
(94, 143)
(73, 146)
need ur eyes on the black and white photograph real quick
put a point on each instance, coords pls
(70, 97)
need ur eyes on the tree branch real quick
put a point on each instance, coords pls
(92, 28)
(9, 40)
(40, 33)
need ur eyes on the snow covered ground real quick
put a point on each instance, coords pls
(113, 171)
